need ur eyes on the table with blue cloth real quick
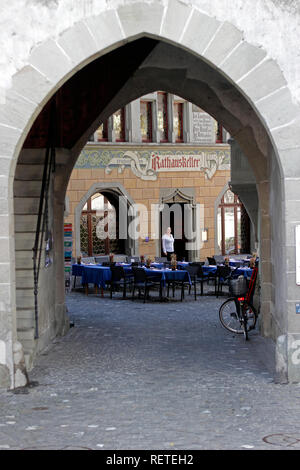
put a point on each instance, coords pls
(238, 262)
(168, 275)
(235, 272)
(98, 275)
(77, 270)
(210, 269)
(243, 270)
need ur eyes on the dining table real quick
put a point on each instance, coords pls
(100, 276)
(236, 271)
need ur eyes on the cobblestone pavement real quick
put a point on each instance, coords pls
(149, 376)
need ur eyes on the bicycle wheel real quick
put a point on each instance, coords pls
(229, 316)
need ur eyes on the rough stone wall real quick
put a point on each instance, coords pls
(273, 25)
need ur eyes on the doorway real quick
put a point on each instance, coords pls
(99, 228)
(177, 224)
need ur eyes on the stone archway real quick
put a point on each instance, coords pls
(196, 56)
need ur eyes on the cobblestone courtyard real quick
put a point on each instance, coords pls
(166, 375)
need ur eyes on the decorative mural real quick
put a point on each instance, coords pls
(147, 163)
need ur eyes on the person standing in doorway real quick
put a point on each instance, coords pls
(168, 244)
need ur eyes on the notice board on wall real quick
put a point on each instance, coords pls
(68, 245)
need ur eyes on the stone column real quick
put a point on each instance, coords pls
(155, 133)
(134, 122)
(8, 334)
(110, 129)
(243, 184)
(171, 135)
(187, 122)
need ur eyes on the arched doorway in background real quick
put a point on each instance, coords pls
(99, 230)
(233, 225)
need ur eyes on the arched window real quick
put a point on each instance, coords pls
(233, 225)
(98, 227)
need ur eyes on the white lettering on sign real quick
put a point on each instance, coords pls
(147, 169)
(298, 255)
(203, 128)
(208, 162)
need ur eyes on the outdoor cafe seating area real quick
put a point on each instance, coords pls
(134, 278)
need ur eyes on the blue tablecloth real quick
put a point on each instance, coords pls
(169, 275)
(235, 263)
(245, 271)
(209, 269)
(238, 262)
(98, 275)
(77, 269)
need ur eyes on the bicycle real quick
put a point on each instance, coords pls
(237, 314)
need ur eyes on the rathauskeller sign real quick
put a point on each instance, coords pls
(147, 164)
(201, 162)
(148, 170)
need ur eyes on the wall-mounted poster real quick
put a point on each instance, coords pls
(68, 244)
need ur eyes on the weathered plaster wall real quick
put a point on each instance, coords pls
(273, 25)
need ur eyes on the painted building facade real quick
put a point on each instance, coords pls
(158, 150)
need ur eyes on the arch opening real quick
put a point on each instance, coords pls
(97, 91)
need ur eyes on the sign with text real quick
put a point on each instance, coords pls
(147, 163)
(208, 162)
(203, 128)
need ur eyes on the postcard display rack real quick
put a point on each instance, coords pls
(68, 243)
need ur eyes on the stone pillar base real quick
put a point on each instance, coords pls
(288, 358)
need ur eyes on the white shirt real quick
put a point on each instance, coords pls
(167, 243)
